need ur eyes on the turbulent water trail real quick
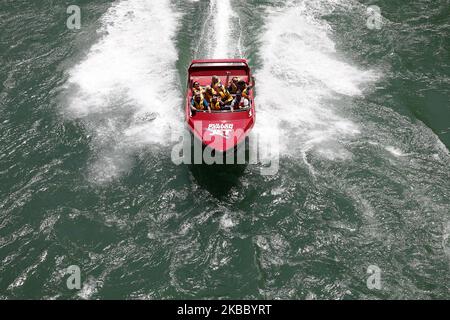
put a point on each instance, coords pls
(221, 35)
(222, 29)
(302, 80)
(126, 88)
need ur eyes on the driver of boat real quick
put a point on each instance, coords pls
(199, 103)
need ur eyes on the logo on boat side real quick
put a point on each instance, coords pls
(221, 130)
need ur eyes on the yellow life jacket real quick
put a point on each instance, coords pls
(215, 86)
(209, 96)
(199, 105)
(195, 91)
(245, 94)
(216, 106)
(224, 94)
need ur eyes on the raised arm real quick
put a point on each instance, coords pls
(227, 82)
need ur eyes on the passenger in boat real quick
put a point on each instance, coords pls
(196, 88)
(232, 86)
(209, 93)
(225, 96)
(220, 89)
(243, 89)
(215, 81)
(240, 102)
(216, 104)
(199, 103)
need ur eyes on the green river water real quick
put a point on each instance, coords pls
(89, 117)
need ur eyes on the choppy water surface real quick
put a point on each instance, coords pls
(89, 118)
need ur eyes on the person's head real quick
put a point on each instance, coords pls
(197, 97)
(196, 85)
(241, 84)
(208, 89)
(215, 79)
(235, 80)
(214, 99)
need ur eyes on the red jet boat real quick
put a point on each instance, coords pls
(220, 130)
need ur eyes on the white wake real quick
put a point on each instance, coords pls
(301, 79)
(126, 89)
(221, 35)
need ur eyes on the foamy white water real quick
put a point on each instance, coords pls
(221, 35)
(126, 89)
(302, 78)
(222, 28)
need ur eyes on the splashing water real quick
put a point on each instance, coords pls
(302, 79)
(126, 88)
